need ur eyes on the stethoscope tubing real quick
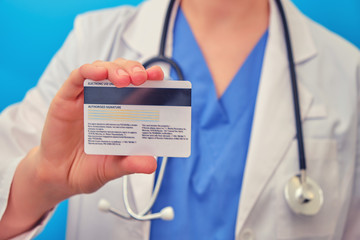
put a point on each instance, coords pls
(161, 57)
(292, 71)
(154, 195)
(293, 201)
(293, 77)
(295, 91)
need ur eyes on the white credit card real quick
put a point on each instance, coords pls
(151, 119)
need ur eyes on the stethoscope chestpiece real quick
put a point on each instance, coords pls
(303, 195)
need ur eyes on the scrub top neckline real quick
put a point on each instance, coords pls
(221, 128)
(201, 57)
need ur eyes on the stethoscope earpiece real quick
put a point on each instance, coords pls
(167, 214)
(104, 205)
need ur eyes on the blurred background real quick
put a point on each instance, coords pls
(31, 31)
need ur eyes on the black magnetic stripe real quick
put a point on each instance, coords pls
(138, 96)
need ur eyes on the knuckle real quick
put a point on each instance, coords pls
(97, 62)
(75, 71)
(131, 63)
(120, 61)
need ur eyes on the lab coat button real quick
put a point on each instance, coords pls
(247, 234)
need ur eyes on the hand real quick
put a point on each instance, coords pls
(61, 153)
(59, 168)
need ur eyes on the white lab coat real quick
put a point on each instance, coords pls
(328, 76)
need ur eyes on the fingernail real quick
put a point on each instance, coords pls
(122, 72)
(138, 69)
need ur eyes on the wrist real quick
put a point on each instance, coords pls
(28, 200)
(48, 178)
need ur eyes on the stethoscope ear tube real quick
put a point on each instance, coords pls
(166, 28)
(161, 57)
(172, 63)
(166, 213)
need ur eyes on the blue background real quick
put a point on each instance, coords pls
(31, 31)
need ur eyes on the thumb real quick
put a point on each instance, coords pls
(123, 165)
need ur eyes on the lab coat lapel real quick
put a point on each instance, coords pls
(143, 33)
(274, 125)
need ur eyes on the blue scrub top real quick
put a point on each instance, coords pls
(204, 189)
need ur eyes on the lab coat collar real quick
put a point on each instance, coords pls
(302, 42)
(143, 34)
(274, 124)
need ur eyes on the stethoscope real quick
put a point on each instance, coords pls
(303, 195)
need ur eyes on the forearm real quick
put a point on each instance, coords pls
(30, 199)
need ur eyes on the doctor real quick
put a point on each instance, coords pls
(243, 141)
